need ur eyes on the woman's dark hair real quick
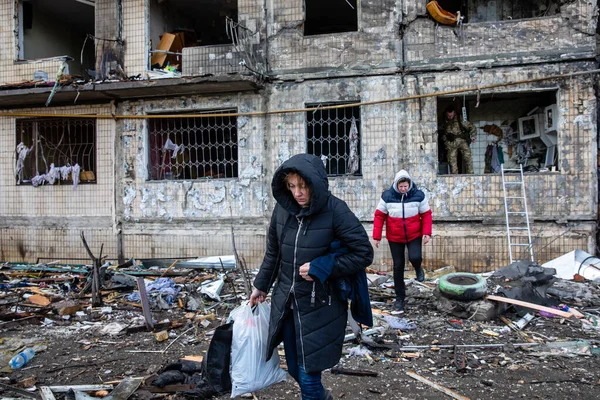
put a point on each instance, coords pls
(450, 108)
(402, 180)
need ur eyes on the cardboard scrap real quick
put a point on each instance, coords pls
(39, 300)
(171, 43)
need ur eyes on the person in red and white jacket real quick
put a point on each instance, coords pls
(405, 211)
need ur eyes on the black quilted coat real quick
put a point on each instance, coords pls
(296, 236)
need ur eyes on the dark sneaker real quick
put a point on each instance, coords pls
(420, 274)
(399, 305)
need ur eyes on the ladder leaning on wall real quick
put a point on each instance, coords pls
(515, 210)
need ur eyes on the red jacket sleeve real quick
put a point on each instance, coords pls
(426, 222)
(378, 221)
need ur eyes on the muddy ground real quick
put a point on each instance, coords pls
(78, 352)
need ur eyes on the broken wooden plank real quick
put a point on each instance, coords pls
(353, 372)
(436, 386)
(158, 326)
(126, 388)
(145, 304)
(576, 313)
(530, 305)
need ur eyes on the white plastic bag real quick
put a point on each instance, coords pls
(249, 370)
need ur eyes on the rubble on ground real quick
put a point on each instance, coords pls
(148, 336)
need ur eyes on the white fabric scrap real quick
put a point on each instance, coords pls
(359, 351)
(75, 175)
(353, 161)
(22, 152)
(169, 145)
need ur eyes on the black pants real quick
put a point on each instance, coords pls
(415, 256)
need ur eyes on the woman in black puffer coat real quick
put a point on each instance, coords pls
(307, 312)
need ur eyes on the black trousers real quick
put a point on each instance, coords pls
(415, 256)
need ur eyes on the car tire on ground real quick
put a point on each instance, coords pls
(462, 286)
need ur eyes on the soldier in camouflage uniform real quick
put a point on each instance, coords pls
(457, 136)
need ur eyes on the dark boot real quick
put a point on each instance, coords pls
(399, 305)
(420, 274)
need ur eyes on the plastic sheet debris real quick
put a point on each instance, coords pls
(399, 323)
(163, 287)
(212, 262)
(575, 262)
(213, 288)
(114, 328)
(566, 349)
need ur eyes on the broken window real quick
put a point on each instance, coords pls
(194, 147)
(484, 10)
(175, 24)
(54, 150)
(334, 136)
(56, 28)
(476, 135)
(330, 16)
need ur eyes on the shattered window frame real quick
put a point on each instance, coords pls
(50, 150)
(68, 34)
(323, 18)
(177, 24)
(209, 143)
(330, 136)
(505, 11)
(498, 119)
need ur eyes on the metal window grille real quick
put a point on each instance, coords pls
(334, 135)
(194, 147)
(55, 142)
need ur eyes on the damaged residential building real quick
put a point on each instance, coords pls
(155, 126)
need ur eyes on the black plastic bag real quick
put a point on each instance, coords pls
(218, 359)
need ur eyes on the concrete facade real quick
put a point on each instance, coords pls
(398, 64)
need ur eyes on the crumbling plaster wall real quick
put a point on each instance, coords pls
(10, 70)
(375, 47)
(568, 35)
(46, 221)
(196, 215)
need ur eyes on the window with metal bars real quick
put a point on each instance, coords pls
(49, 150)
(334, 136)
(194, 147)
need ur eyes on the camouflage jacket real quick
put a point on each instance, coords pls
(455, 129)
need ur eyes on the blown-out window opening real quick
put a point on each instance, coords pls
(193, 148)
(488, 11)
(334, 135)
(323, 17)
(477, 134)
